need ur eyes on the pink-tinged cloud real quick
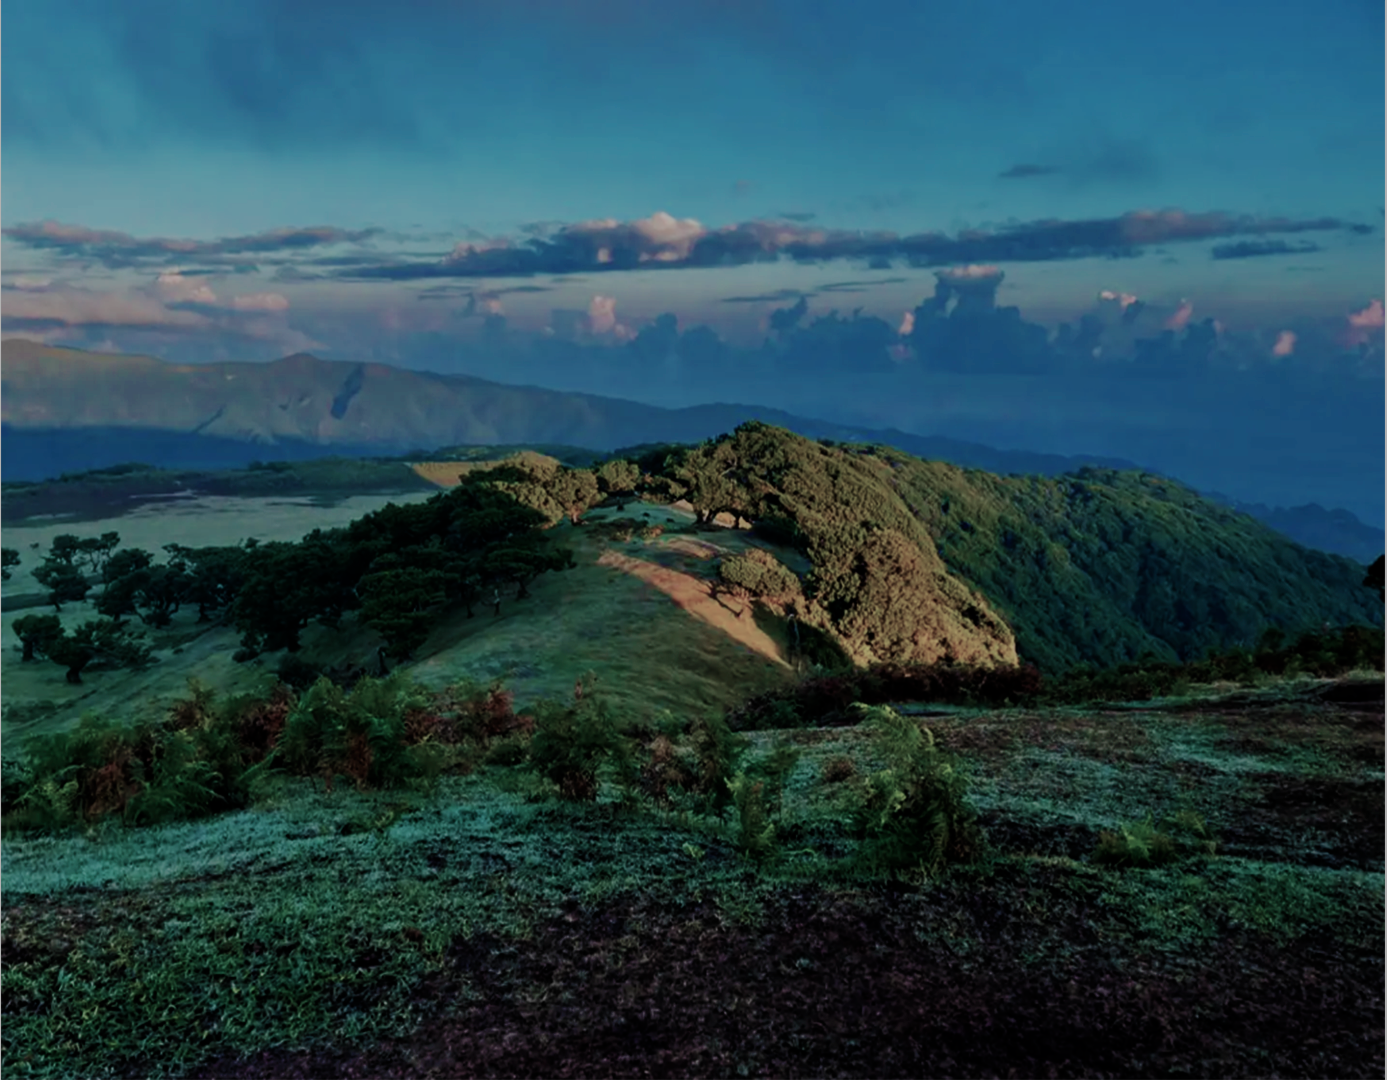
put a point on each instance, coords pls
(1363, 325)
(907, 326)
(173, 287)
(602, 319)
(260, 302)
(1181, 316)
(75, 307)
(1125, 298)
(1285, 343)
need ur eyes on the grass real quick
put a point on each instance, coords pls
(318, 925)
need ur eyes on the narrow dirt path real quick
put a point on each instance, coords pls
(733, 617)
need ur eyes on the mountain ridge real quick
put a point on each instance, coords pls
(129, 407)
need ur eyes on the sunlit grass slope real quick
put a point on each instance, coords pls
(637, 613)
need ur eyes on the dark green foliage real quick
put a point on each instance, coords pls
(399, 604)
(1099, 566)
(913, 815)
(8, 557)
(781, 531)
(125, 562)
(826, 700)
(95, 640)
(1143, 844)
(296, 672)
(64, 581)
(1373, 578)
(35, 632)
(572, 741)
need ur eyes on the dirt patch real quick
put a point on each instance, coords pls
(1310, 821)
(732, 616)
(828, 985)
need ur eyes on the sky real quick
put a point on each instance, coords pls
(1149, 232)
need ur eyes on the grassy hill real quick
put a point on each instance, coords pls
(1098, 568)
(1140, 883)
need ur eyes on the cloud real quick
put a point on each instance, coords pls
(1285, 343)
(775, 297)
(662, 241)
(1251, 249)
(1365, 324)
(116, 250)
(1025, 172)
(265, 301)
(72, 307)
(602, 319)
(1125, 299)
(173, 287)
(1181, 316)
(907, 324)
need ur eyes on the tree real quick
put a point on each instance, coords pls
(64, 582)
(35, 632)
(123, 563)
(8, 557)
(523, 559)
(618, 477)
(399, 604)
(96, 639)
(1373, 580)
(97, 552)
(574, 490)
(212, 575)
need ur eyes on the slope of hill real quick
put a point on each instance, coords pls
(1100, 567)
(1336, 531)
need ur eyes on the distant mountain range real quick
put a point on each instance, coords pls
(68, 410)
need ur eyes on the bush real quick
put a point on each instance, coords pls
(571, 742)
(913, 815)
(760, 574)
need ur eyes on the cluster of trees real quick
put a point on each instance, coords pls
(909, 559)
(401, 568)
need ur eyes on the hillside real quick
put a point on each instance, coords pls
(893, 558)
(1100, 567)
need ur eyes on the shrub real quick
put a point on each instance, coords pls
(570, 742)
(837, 769)
(1142, 844)
(913, 815)
(760, 574)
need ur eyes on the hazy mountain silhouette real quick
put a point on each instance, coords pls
(68, 410)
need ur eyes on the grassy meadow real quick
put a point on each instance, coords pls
(1186, 886)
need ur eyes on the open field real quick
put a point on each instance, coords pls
(474, 932)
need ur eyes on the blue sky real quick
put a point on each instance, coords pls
(520, 190)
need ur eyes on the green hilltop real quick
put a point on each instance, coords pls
(1098, 567)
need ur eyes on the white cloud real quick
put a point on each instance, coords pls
(80, 306)
(173, 287)
(602, 319)
(1126, 299)
(260, 302)
(907, 324)
(1285, 343)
